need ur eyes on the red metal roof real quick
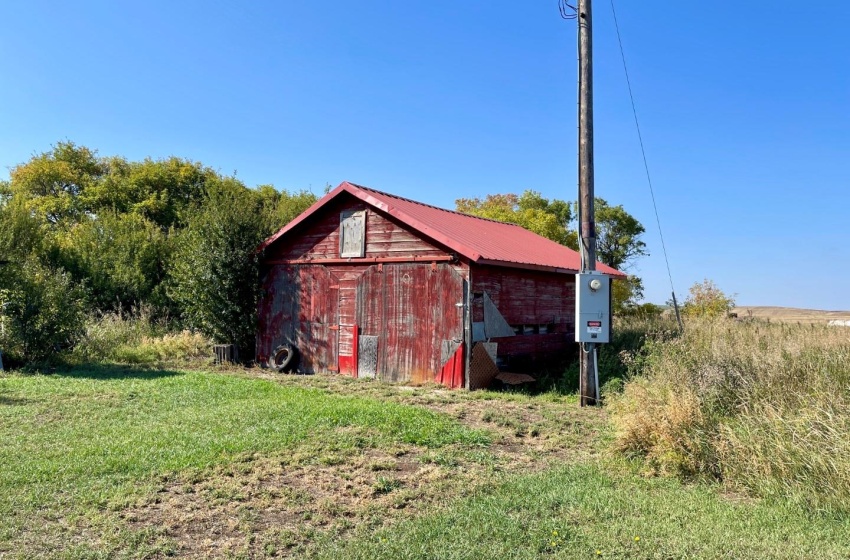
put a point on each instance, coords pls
(480, 240)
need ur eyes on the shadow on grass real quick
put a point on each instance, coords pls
(100, 371)
(12, 401)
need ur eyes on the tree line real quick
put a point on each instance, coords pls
(83, 235)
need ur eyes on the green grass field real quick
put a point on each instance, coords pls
(78, 448)
(110, 462)
(582, 511)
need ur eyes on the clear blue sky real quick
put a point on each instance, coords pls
(744, 107)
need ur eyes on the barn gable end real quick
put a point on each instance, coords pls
(378, 298)
(320, 237)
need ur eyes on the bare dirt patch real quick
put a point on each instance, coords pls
(264, 506)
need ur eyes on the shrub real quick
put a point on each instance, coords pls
(618, 359)
(625, 293)
(643, 311)
(213, 276)
(42, 312)
(705, 299)
(120, 256)
(764, 407)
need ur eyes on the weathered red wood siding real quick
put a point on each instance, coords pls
(300, 306)
(532, 299)
(320, 238)
(411, 307)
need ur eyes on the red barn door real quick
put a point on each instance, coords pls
(300, 306)
(317, 335)
(410, 310)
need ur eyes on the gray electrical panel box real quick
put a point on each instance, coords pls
(593, 307)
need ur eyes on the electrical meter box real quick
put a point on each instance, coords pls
(593, 307)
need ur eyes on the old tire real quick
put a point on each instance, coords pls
(283, 358)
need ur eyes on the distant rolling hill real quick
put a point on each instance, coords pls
(791, 314)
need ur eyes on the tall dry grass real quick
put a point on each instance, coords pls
(764, 407)
(137, 339)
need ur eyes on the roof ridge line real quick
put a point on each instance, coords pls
(432, 206)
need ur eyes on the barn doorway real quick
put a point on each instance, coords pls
(405, 313)
(301, 308)
(318, 332)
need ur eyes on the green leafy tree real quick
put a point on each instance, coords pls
(70, 181)
(547, 218)
(42, 311)
(21, 233)
(161, 191)
(168, 235)
(278, 208)
(619, 244)
(705, 299)
(121, 257)
(41, 307)
(618, 235)
(213, 275)
(626, 293)
(54, 184)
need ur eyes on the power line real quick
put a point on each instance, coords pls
(568, 11)
(643, 151)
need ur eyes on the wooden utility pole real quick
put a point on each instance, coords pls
(588, 378)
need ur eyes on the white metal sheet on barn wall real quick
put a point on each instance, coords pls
(495, 324)
(367, 356)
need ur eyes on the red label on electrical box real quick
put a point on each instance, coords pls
(594, 327)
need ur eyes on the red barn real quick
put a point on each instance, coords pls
(369, 284)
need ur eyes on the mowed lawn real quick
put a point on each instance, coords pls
(77, 447)
(124, 463)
